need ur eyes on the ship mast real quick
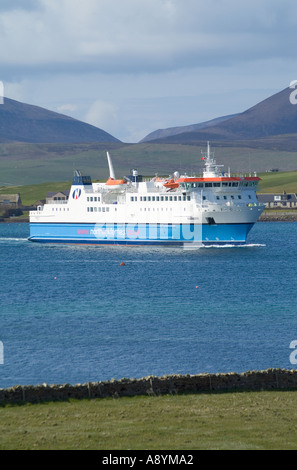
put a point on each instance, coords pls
(211, 168)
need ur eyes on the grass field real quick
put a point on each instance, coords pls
(26, 164)
(233, 421)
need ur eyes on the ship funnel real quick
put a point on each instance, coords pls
(111, 170)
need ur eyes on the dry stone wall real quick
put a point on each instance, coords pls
(270, 379)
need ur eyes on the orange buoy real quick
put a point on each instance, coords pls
(122, 264)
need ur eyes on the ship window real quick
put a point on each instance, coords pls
(153, 198)
(95, 209)
(239, 197)
(162, 198)
(88, 199)
(188, 198)
(179, 198)
(92, 209)
(216, 185)
(232, 197)
(144, 198)
(91, 199)
(141, 198)
(208, 185)
(250, 197)
(166, 198)
(225, 197)
(170, 198)
(234, 185)
(225, 185)
(88, 209)
(149, 198)
(184, 198)
(218, 197)
(175, 198)
(135, 199)
(204, 198)
(158, 199)
(95, 199)
(131, 198)
(99, 209)
(107, 209)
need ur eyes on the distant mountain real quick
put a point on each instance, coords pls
(163, 133)
(272, 122)
(20, 122)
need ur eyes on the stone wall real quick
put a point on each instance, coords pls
(271, 379)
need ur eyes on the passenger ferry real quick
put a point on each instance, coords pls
(214, 208)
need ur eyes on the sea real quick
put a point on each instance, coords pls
(77, 314)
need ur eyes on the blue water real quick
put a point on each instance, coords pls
(72, 314)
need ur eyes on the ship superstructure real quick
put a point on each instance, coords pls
(215, 208)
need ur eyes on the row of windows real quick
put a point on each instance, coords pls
(160, 198)
(60, 209)
(98, 209)
(232, 197)
(93, 199)
(232, 184)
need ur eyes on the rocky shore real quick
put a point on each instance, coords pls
(278, 216)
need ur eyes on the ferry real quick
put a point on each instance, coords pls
(213, 208)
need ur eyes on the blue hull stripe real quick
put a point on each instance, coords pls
(138, 234)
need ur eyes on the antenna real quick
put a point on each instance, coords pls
(111, 170)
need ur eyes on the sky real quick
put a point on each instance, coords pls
(131, 67)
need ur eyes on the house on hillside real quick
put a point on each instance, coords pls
(280, 200)
(10, 201)
(57, 196)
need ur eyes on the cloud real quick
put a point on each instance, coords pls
(143, 36)
(102, 114)
(67, 108)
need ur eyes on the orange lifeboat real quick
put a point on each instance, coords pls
(114, 182)
(171, 184)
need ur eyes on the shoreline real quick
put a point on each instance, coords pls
(270, 379)
(266, 216)
(281, 216)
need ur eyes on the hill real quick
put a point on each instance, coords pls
(271, 124)
(162, 133)
(20, 122)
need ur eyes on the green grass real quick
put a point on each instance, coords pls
(247, 420)
(278, 182)
(26, 164)
(32, 193)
